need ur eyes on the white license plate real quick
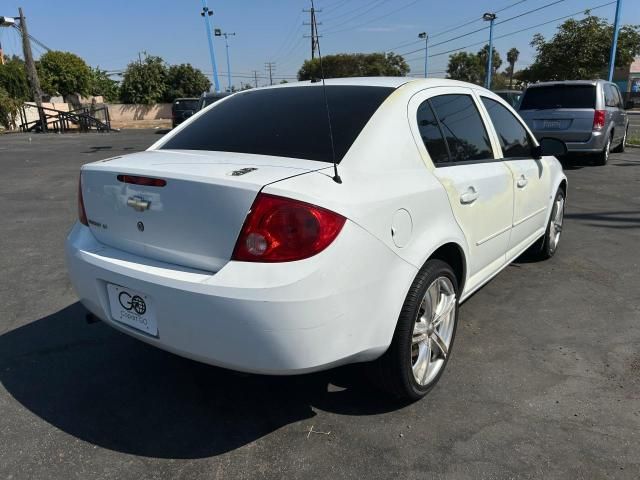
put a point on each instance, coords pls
(132, 308)
(552, 124)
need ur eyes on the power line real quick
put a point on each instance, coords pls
(332, 7)
(457, 27)
(33, 39)
(516, 31)
(290, 35)
(387, 14)
(485, 28)
(349, 12)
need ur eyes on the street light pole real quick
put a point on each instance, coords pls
(206, 13)
(489, 17)
(226, 36)
(614, 44)
(426, 50)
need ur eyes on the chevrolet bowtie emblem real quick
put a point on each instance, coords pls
(138, 203)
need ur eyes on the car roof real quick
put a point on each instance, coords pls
(391, 82)
(566, 82)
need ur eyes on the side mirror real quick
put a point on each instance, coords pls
(550, 146)
(628, 105)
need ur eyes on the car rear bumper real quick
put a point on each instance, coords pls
(595, 143)
(295, 317)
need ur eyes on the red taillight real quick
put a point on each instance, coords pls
(599, 119)
(82, 215)
(279, 229)
(146, 181)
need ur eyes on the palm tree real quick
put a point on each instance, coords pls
(512, 58)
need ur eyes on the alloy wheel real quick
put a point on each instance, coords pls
(557, 217)
(433, 330)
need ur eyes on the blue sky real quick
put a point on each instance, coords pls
(110, 34)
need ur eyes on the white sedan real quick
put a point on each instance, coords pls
(275, 232)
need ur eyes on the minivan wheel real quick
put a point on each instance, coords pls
(424, 335)
(603, 157)
(620, 148)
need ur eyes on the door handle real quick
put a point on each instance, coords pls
(522, 182)
(470, 196)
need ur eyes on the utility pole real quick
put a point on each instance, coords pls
(614, 44)
(270, 67)
(489, 17)
(32, 74)
(206, 14)
(1, 55)
(226, 36)
(255, 78)
(314, 30)
(426, 50)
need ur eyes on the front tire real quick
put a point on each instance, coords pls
(422, 341)
(547, 246)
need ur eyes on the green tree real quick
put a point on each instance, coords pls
(101, 84)
(355, 65)
(496, 63)
(466, 67)
(470, 67)
(63, 73)
(580, 49)
(185, 81)
(13, 79)
(8, 109)
(144, 81)
(512, 58)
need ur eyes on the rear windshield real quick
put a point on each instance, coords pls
(559, 96)
(286, 122)
(190, 104)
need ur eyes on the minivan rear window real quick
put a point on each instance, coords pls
(559, 96)
(286, 122)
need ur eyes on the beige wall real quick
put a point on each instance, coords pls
(120, 112)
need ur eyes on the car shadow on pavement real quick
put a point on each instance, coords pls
(617, 220)
(113, 391)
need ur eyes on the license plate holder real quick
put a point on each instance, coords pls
(133, 308)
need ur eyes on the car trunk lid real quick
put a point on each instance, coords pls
(194, 219)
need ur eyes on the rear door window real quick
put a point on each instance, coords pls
(514, 139)
(610, 98)
(559, 96)
(287, 122)
(462, 127)
(432, 134)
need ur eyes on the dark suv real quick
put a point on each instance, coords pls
(181, 109)
(588, 115)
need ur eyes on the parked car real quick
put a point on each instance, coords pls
(209, 98)
(257, 238)
(181, 109)
(588, 115)
(511, 96)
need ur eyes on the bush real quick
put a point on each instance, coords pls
(9, 107)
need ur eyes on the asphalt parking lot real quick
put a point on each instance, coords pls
(544, 381)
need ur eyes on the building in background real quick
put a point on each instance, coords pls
(628, 80)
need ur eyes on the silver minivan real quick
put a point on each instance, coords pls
(588, 115)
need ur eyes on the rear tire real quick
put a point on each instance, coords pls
(422, 341)
(620, 148)
(603, 157)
